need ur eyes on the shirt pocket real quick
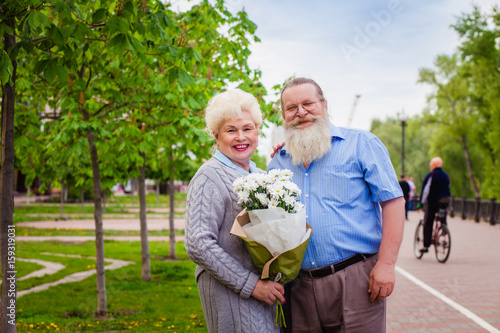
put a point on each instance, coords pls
(340, 179)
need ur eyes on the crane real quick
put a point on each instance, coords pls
(349, 121)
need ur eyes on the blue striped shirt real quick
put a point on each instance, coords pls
(341, 193)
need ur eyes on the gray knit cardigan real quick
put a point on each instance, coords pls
(225, 273)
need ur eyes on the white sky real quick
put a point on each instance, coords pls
(369, 47)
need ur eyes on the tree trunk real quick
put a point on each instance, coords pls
(157, 191)
(99, 234)
(61, 201)
(104, 197)
(82, 198)
(469, 168)
(146, 267)
(171, 193)
(9, 284)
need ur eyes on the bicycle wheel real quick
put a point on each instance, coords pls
(442, 243)
(418, 241)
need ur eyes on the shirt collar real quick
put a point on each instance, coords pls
(335, 132)
(226, 161)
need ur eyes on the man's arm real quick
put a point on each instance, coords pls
(383, 276)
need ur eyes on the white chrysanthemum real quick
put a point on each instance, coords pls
(273, 203)
(268, 190)
(289, 200)
(287, 173)
(262, 197)
(244, 195)
(299, 206)
(292, 188)
(276, 191)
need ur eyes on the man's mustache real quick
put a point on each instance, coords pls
(299, 120)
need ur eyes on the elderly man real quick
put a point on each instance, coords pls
(356, 209)
(435, 195)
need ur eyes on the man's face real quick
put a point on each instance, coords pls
(301, 101)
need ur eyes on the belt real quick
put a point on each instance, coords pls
(327, 270)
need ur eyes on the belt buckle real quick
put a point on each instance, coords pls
(310, 272)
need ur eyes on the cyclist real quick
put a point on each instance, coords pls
(435, 195)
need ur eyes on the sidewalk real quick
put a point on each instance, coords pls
(466, 292)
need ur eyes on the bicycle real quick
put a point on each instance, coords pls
(441, 238)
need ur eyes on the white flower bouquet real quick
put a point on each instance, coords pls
(273, 226)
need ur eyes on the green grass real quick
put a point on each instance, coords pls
(28, 231)
(169, 303)
(24, 268)
(67, 209)
(151, 200)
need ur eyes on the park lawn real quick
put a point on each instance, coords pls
(29, 231)
(169, 303)
(151, 200)
(40, 208)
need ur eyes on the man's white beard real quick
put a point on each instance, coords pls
(308, 144)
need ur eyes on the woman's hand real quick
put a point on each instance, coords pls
(267, 291)
(276, 148)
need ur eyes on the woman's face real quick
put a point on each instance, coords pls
(238, 139)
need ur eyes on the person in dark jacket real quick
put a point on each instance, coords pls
(405, 187)
(437, 196)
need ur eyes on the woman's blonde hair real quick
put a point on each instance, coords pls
(230, 105)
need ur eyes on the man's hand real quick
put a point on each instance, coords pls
(267, 291)
(276, 148)
(381, 282)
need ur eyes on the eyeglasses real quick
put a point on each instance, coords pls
(307, 105)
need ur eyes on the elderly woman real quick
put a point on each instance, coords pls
(233, 296)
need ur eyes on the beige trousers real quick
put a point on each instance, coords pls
(337, 303)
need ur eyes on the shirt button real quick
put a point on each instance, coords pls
(307, 216)
(307, 174)
(307, 195)
(313, 263)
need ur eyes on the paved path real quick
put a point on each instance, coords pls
(462, 295)
(75, 277)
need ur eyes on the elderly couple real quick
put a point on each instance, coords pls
(353, 202)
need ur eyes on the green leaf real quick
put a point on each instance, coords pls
(100, 15)
(185, 79)
(173, 75)
(129, 9)
(117, 24)
(54, 70)
(135, 44)
(38, 19)
(6, 68)
(40, 66)
(119, 43)
(56, 35)
(88, 55)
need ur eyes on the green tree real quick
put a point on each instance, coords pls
(480, 54)
(69, 47)
(11, 13)
(454, 109)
